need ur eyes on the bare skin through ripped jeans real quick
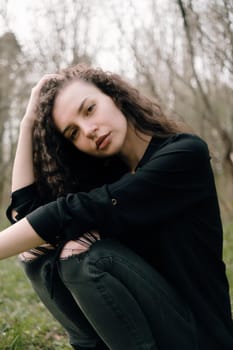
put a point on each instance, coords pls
(110, 298)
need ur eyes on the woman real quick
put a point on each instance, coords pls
(125, 204)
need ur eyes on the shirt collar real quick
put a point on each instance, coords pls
(154, 144)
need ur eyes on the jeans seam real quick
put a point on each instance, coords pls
(107, 297)
(162, 293)
(131, 267)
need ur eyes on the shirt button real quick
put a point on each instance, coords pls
(114, 201)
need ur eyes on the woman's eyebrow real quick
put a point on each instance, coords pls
(79, 111)
(82, 105)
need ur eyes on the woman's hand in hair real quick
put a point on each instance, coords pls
(31, 110)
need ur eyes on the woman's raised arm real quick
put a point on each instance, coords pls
(23, 173)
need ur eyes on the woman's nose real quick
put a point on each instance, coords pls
(90, 130)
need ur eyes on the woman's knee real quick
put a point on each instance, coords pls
(37, 267)
(84, 267)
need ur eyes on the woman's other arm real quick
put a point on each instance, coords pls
(18, 238)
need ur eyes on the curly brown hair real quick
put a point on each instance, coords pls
(55, 170)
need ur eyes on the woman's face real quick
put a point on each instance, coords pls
(90, 119)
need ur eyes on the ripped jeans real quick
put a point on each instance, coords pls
(109, 298)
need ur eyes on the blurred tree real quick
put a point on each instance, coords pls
(182, 55)
(60, 34)
(179, 52)
(59, 37)
(209, 37)
(10, 53)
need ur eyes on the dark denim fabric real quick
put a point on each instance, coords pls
(111, 293)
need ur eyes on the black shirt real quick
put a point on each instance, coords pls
(168, 213)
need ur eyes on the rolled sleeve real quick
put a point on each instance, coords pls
(70, 216)
(23, 201)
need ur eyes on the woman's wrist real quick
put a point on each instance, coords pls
(26, 122)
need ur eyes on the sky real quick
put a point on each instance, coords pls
(22, 21)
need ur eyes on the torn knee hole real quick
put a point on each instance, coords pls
(68, 252)
(74, 248)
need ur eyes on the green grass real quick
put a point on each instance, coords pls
(26, 324)
(24, 321)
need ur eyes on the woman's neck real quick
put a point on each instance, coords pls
(134, 147)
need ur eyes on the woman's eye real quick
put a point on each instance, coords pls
(73, 134)
(90, 109)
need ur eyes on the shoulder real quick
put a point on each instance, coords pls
(183, 142)
(190, 140)
(182, 149)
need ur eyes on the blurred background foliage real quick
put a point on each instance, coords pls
(179, 52)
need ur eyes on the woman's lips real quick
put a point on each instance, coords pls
(103, 141)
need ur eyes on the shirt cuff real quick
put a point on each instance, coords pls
(23, 201)
(46, 221)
